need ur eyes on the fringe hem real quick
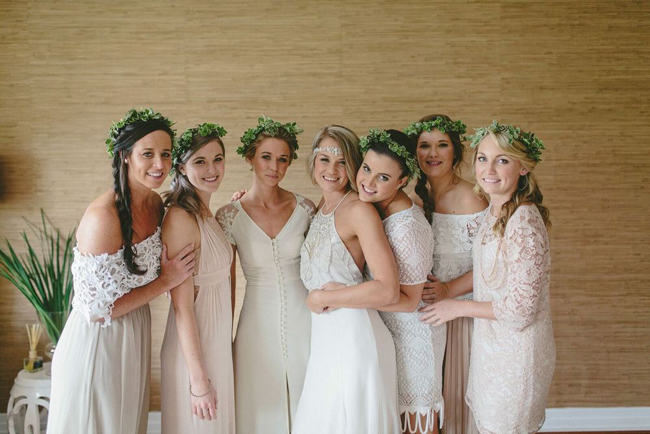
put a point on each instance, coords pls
(421, 413)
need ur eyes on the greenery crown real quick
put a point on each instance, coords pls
(185, 142)
(532, 143)
(132, 116)
(270, 127)
(439, 123)
(376, 136)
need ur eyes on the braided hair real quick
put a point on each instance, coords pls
(124, 143)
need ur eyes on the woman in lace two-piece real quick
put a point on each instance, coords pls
(351, 384)
(389, 163)
(196, 349)
(455, 212)
(266, 228)
(513, 351)
(100, 369)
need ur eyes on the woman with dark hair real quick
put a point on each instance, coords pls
(351, 380)
(100, 369)
(454, 211)
(196, 349)
(266, 228)
(389, 164)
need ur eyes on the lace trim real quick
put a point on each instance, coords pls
(225, 216)
(419, 413)
(302, 202)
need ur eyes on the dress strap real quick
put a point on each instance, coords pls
(337, 205)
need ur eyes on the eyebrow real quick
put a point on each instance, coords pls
(270, 153)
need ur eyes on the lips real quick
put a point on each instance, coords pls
(156, 175)
(491, 180)
(330, 179)
(212, 179)
(434, 163)
(367, 190)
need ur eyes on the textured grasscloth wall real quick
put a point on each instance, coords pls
(577, 73)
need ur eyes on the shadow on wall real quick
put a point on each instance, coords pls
(4, 179)
(15, 170)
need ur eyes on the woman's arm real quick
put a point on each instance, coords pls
(437, 290)
(362, 220)
(233, 280)
(447, 310)
(409, 299)
(180, 228)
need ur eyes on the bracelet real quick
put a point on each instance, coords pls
(199, 396)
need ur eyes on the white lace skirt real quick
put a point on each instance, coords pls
(100, 376)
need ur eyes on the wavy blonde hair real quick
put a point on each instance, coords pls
(348, 141)
(527, 187)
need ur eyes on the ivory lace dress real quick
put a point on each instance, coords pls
(272, 342)
(213, 311)
(420, 347)
(351, 382)
(513, 357)
(452, 257)
(100, 371)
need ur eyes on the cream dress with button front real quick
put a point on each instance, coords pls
(272, 341)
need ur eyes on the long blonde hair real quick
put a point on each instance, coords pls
(527, 188)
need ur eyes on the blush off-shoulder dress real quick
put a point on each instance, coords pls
(100, 370)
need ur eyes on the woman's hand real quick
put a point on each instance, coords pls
(442, 312)
(204, 406)
(315, 303)
(174, 271)
(237, 195)
(434, 290)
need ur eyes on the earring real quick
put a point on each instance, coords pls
(126, 161)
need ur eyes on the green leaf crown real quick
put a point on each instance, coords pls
(132, 116)
(270, 127)
(185, 142)
(532, 143)
(439, 123)
(376, 136)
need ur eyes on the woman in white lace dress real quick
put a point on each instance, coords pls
(100, 370)
(351, 384)
(513, 351)
(197, 348)
(389, 163)
(455, 213)
(266, 228)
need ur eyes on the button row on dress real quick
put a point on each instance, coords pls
(283, 302)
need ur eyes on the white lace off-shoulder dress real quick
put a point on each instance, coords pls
(452, 257)
(513, 357)
(271, 346)
(100, 370)
(420, 347)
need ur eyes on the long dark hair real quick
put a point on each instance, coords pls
(126, 138)
(182, 193)
(459, 152)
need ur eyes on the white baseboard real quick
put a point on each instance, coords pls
(557, 419)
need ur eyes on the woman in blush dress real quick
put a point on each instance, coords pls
(388, 165)
(513, 351)
(351, 384)
(266, 228)
(100, 369)
(197, 349)
(455, 212)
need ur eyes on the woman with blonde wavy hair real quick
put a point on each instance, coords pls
(513, 351)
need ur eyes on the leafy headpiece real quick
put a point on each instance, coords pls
(185, 142)
(376, 136)
(272, 128)
(532, 143)
(132, 116)
(439, 123)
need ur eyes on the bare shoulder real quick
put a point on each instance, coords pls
(468, 201)
(416, 199)
(99, 229)
(358, 213)
(179, 228)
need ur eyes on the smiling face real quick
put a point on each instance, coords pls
(150, 160)
(435, 153)
(329, 167)
(379, 178)
(271, 160)
(497, 173)
(205, 167)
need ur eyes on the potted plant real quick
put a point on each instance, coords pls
(45, 279)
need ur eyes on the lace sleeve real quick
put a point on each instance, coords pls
(98, 282)
(412, 244)
(225, 216)
(528, 264)
(307, 205)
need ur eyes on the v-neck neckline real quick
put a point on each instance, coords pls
(295, 208)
